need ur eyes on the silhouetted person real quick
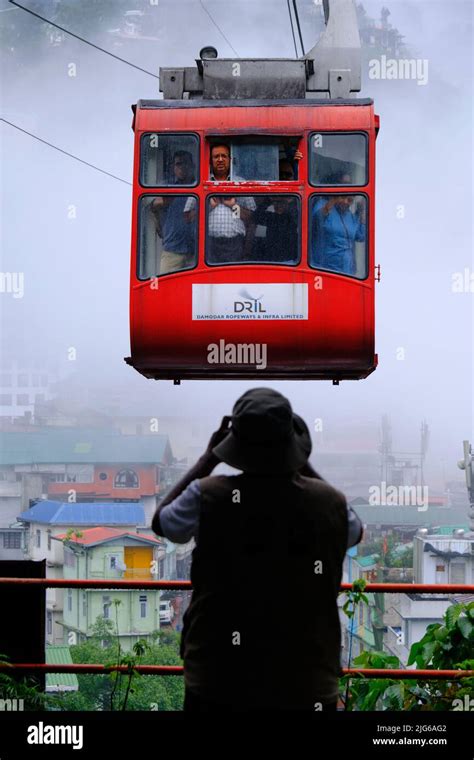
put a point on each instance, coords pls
(262, 630)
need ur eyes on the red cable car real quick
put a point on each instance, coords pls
(253, 218)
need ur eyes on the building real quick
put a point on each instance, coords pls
(44, 521)
(442, 555)
(108, 553)
(411, 615)
(23, 385)
(363, 632)
(406, 520)
(82, 465)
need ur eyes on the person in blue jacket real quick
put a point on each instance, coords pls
(335, 230)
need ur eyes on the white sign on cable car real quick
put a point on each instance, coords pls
(273, 301)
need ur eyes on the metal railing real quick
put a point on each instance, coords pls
(170, 670)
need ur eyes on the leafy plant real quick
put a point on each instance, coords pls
(447, 646)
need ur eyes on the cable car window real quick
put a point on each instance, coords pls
(253, 229)
(256, 162)
(338, 234)
(254, 159)
(167, 234)
(338, 159)
(169, 160)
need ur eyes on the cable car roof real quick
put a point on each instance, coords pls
(237, 103)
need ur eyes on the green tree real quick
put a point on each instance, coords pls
(130, 691)
(445, 646)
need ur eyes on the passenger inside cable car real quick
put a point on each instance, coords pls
(252, 229)
(338, 231)
(173, 227)
(159, 156)
(249, 158)
(338, 159)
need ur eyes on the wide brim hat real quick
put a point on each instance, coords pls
(266, 435)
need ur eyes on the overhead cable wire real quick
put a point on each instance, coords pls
(82, 39)
(298, 25)
(65, 152)
(218, 27)
(292, 27)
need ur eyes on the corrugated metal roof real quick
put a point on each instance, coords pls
(86, 446)
(60, 655)
(398, 515)
(95, 513)
(366, 561)
(93, 536)
(447, 530)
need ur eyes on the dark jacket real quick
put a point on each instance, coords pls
(263, 625)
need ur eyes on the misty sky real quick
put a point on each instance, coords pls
(76, 270)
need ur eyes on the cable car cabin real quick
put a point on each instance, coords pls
(253, 237)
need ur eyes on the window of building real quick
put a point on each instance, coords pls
(338, 234)
(23, 399)
(69, 600)
(6, 399)
(38, 539)
(49, 623)
(69, 558)
(74, 473)
(23, 381)
(49, 540)
(338, 159)
(168, 234)
(106, 604)
(35, 380)
(169, 160)
(143, 606)
(12, 540)
(253, 229)
(84, 604)
(126, 479)
(6, 381)
(44, 381)
(457, 572)
(115, 563)
(57, 477)
(39, 398)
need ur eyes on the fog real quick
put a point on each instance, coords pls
(67, 227)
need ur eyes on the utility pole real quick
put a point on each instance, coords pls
(466, 465)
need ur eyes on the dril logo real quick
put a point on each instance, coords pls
(248, 303)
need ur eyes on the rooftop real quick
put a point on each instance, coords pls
(82, 446)
(90, 513)
(94, 536)
(60, 655)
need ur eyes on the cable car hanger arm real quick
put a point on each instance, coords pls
(332, 66)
